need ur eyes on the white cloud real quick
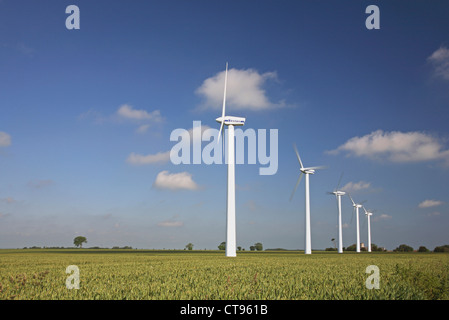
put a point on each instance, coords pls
(430, 203)
(383, 216)
(395, 146)
(175, 181)
(244, 90)
(138, 159)
(170, 223)
(440, 62)
(143, 128)
(356, 186)
(127, 111)
(162, 157)
(5, 139)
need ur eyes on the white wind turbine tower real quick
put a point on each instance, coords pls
(306, 172)
(356, 206)
(230, 121)
(338, 194)
(368, 215)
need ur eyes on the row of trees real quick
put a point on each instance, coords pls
(256, 247)
(406, 248)
(353, 247)
(400, 248)
(78, 242)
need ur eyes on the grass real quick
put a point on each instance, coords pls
(198, 275)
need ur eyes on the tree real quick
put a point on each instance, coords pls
(258, 246)
(352, 247)
(239, 248)
(423, 249)
(78, 241)
(222, 246)
(252, 248)
(444, 248)
(333, 240)
(403, 248)
(189, 246)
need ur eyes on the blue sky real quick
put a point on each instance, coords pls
(75, 104)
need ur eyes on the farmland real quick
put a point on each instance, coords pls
(28, 274)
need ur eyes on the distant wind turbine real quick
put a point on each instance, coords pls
(368, 215)
(356, 206)
(338, 194)
(306, 172)
(230, 121)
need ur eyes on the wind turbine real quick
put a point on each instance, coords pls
(338, 194)
(368, 215)
(230, 121)
(306, 171)
(356, 206)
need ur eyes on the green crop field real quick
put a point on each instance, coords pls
(197, 275)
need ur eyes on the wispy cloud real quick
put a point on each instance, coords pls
(395, 146)
(356, 186)
(430, 203)
(5, 139)
(93, 115)
(251, 205)
(4, 215)
(244, 90)
(440, 61)
(433, 214)
(8, 200)
(21, 48)
(40, 183)
(128, 112)
(138, 159)
(380, 217)
(170, 223)
(143, 128)
(175, 181)
(162, 157)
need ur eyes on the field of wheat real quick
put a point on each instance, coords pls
(209, 275)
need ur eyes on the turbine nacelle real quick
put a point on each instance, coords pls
(339, 193)
(367, 213)
(307, 170)
(355, 205)
(230, 120)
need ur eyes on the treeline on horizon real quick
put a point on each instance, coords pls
(401, 248)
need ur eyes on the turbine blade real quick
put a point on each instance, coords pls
(224, 104)
(351, 199)
(223, 148)
(297, 155)
(353, 211)
(297, 183)
(338, 184)
(224, 94)
(219, 132)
